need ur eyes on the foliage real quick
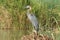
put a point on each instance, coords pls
(46, 11)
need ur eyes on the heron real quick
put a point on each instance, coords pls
(32, 18)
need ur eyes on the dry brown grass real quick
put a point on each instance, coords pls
(34, 36)
(5, 18)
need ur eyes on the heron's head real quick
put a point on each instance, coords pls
(28, 7)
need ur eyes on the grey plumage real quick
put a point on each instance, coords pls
(34, 21)
(32, 18)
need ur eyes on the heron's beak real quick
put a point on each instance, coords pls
(25, 8)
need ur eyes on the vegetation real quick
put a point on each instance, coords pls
(15, 23)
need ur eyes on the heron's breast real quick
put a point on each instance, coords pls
(29, 16)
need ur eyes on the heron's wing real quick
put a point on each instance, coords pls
(33, 19)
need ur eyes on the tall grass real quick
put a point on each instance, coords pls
(13, 15)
